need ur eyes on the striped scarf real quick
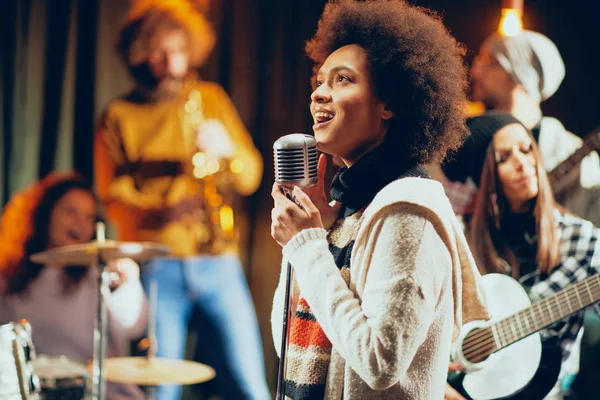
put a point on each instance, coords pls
(309, 350)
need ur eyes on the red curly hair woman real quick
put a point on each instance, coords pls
(60, 303)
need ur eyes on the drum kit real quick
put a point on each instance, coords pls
(25, 376)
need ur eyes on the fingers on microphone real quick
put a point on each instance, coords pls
(281, 214)
(305, 201)
(282, 198)
(274, 222)
(276, 193)
(279, 224)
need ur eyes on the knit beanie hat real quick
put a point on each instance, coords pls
(531, 59)
(468, 160)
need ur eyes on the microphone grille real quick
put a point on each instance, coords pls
(296, 160)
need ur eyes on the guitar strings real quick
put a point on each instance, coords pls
(483, 343)
(566, 293)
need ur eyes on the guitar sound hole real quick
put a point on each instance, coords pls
(478, 345)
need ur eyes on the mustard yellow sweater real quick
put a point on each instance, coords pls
(143, 169)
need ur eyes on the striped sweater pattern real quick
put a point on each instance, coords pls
(309, 349)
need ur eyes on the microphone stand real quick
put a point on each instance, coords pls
(296, 162)
(152, 345)
(284, 336)
(100, 326)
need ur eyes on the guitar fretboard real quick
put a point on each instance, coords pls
(558, 176)
(565, 168)
(480, 343)
(547, 311)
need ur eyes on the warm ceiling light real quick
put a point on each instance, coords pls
(511, 22)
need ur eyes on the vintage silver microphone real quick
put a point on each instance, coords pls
(296, 161)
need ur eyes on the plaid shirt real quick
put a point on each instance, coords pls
(580, 259)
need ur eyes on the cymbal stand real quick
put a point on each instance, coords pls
(151, 390)
(100, 327)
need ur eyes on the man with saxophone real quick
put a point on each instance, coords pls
(169, 157)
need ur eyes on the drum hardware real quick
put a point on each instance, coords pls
(97, 254)
(60, 378)
(17, 380)
(151, 371)
(156, 371)
(148, 371)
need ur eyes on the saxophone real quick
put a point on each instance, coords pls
(215, 176)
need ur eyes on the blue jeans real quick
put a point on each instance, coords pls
(232, 345)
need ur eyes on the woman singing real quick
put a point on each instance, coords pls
(383, 278)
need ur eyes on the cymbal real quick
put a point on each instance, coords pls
(87, 253)
(155, 371)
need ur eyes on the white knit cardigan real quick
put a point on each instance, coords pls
(413, 283)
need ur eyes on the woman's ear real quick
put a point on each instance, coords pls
(387, 114)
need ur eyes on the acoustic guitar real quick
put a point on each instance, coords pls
(506, 357)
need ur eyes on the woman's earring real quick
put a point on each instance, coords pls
(495, 209)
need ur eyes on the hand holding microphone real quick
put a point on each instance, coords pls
(316, 193)
(296, 209)
(289, 218)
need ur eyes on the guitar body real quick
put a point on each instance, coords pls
(525, 369)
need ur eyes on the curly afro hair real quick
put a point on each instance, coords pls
(416, 67)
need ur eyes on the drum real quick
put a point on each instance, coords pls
(61, 378)
(17, 380)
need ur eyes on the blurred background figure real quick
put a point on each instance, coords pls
(518, 229)
(515, 74)
(60, 303)
(169, 156)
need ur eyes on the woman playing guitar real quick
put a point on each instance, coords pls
(518, 229)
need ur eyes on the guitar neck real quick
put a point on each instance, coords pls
(480, 343)
(566, 167)
(546, 312)
(590, 143)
